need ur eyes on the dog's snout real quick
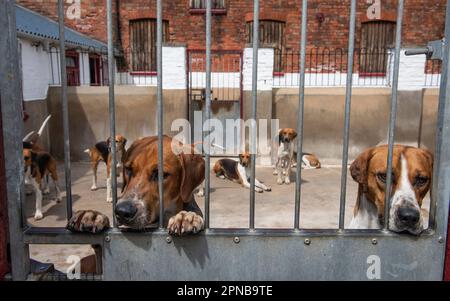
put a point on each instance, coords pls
(126, 210)
(408, 216)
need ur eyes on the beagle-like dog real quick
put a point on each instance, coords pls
(39, 165)
(101, 151)
(285, 155)
(412, 170)
(138, 207)
(309, 161)
(238, 172)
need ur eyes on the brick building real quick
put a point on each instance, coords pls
(280, 24)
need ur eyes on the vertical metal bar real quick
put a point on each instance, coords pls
(393, 115)
(112, 109)
(253, 148)
(208, 110)
(159, 36)
(441, 169)
(12, 125)
(301, 107)
(348, 105)
(65, 108)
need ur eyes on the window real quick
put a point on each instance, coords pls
(377, 38)
(72, 68)
(143, 44)
(95, 69)
(199, 6)
(271, 34)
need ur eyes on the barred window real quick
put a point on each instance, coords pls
(201, 4)
(271, 34)
(143, 44)
(376, 39)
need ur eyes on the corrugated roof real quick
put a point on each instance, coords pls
(31, 23)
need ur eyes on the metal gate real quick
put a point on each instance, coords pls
(227, 254)
(226, 91)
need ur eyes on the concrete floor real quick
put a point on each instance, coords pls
(229, 205)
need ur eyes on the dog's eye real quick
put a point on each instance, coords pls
(26, 158)
(420, 181)
(381, 177)
(129, 171)
(154, 175)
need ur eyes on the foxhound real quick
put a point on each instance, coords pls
(238, 171)
(101, 151)
(138, 207)
(412, 170)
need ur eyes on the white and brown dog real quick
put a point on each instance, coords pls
(38, 165)
(138, 207)
(238, 171)
(101, 151)
(412, 170)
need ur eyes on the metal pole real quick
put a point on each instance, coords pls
(441, 172)
(301, 107)
(393, 115)
(253, 147)
(112, 109)
(12, 124)
(159, 37)
(348, 101)
(208, 110)
(65, 108)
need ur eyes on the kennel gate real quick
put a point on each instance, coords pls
(229, 254)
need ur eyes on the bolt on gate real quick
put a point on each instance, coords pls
(228, 254)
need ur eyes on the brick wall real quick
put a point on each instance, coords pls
(423, 20)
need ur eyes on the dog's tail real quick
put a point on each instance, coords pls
(44, 124)
(33, 137)
(87, 151)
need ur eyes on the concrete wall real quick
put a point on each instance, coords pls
(89, 116)
(324, 119)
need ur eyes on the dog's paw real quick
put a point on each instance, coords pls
(88, 221)
(109, 199)
(268, 188)
(275, 172)
(185, 223)
(287, 181)
(46, 191)
(38, 215)
(201, 193)
(280, 181)
(259, 190)
(94, 188)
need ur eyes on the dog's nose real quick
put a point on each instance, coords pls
(126, 210)
(408, 216)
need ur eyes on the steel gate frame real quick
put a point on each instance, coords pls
(230, 254)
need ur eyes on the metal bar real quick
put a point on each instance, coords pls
(301, 107)
(348, 105)
(393, 115)
(65, 108)
(160, 110)
(208, 110)
(12, 126)
(253, 147)
(440, 190)
(112, 109)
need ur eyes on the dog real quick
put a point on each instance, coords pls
(138, 207)
(309, 161)
(38, 165)
(285, 155)
(412, 170)
(101, 151)
(238, 171)
(30, 141)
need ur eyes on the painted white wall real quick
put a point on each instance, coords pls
(35, 70)
(265, 69)
(85, 75)
(174, 67)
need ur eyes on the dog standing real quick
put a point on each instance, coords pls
(412, 170)
(238, 172)
(101, 151)
(285, 155)
(38, 165)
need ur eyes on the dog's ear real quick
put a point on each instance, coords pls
(124, 142)
(294, 134)
(429, 156)
(108, 142)
(358, 168)
(193, 174)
